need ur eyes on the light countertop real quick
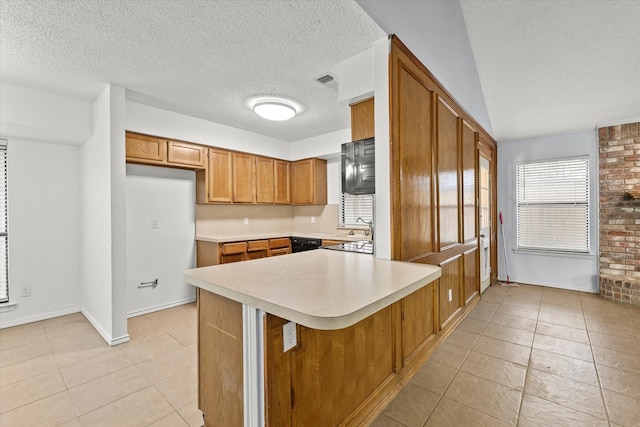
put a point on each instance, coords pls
(242, 237)
(319, 289)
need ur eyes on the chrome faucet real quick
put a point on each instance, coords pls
(368, 232)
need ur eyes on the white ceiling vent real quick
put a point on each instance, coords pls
(328, 80)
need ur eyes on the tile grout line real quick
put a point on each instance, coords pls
(595, 367)
(526, 376)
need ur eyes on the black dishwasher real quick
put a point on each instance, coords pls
(301, 244)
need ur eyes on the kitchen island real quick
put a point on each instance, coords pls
(361, 324)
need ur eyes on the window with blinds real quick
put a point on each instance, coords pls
(553, 204)
(4, 242)
(354, 207)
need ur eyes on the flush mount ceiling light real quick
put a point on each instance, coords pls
(274, 109)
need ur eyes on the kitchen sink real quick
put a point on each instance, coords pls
(360, 246)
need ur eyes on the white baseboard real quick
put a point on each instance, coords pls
(39, 317)
(552, 285)
(161, 307)
(107, 337)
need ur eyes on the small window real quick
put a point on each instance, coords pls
(354, 207)
(4, 242)
(553, 204)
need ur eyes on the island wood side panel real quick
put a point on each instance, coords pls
(334, 371)
(419, 320)
(277, 378)
(220, 360)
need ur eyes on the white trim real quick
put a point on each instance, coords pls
(618, 122)
(8, 306)
(38, 317)
(160, 307)
(550, 285)
(107, 337)
(253, 366)
(547, 252)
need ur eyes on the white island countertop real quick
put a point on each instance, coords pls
(320, 289)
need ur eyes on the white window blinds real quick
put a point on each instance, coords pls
(553, 204)
(4, 246)
(354, 207)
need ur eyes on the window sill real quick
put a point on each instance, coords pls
(554, 253)
(8, 306)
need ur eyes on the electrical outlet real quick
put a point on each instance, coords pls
(289, 335)
(313, 220)
(246, 221)
(26, 290)
(154, 223)
(450, 295)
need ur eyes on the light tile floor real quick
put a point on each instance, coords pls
(526, 356)
(61, 372)
(529, 356)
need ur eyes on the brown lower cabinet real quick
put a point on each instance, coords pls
(211, 253)
(332, 377)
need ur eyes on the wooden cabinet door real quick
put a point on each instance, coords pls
(469, 211)
(185, 154)
(282, 182)
(265, 180)
(419, 320)
(145, 149)
(280, 251)
(448, 165)
(243, 178)
(219, 176)
(362, 120)
(450, 295)
(412, 181)
(309, 182)
(301, 185)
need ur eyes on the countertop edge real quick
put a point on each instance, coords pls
(315, 322)
(276, 235)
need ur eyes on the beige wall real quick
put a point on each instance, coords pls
(228, 220)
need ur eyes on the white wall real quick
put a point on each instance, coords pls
(435, 32)
(155, 121)
(382, 235)
(103, 219)
(43, 116)
(44, 237)
(325, 146)
(168, 197)
(577, 272)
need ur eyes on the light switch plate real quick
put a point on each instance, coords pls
(289, 336)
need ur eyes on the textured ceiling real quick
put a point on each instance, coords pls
(545, 67)
(549, 67)
(206, 59)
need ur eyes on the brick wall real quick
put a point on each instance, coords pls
(620, 213)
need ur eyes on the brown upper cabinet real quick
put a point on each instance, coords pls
(309, 182)
(282, 182)
(145, 149)
(265, 180)
(183, 153)
(214, 185)
(152, 150)
(224, 176)
(362, 120)
(244, 172)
